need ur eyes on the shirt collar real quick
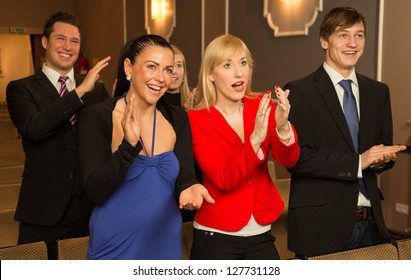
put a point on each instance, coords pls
(54, 76)
(337, 77)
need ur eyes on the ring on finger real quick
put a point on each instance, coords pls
(260, 114)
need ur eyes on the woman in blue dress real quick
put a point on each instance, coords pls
(137, 162)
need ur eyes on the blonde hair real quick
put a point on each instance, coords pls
(219, 50)
(184, 88)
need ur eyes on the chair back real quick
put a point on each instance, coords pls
(29, 251)
(72, 248)
(187, 239)
(9, 228)
(404, 249)
(385, 251)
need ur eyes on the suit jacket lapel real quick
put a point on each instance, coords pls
(45, 82)
(222, 128)
(327, 91)
(366, 107)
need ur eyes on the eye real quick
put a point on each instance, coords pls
(168, 71)
(179, 65)
(243, 63)
(75, 41)
(227, 65)
(151, 66)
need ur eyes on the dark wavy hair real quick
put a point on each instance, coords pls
(132, 49)
(64, 17)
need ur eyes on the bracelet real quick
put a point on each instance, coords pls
(288, 137)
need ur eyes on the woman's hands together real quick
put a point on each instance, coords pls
(282, 111)
(130, 124)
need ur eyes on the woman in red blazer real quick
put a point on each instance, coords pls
(234, 131)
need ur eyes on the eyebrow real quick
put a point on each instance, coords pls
(230, 59)
(158, 64)
(65, 36)
(346, 30)
(152, 61)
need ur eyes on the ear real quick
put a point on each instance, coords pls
(211, 77)
(324, 43)
(128, 69)
(44, 42)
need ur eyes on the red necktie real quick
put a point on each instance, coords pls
(63, 91)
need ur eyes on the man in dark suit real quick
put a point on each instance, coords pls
(328, 210)
(52, 203)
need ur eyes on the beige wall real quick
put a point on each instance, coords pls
(102, 33)
(396, 61)
(29, 13)
(396, 72)
(15, 50)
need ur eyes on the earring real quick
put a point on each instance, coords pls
(128, 78)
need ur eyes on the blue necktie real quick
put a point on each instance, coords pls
(351, 115)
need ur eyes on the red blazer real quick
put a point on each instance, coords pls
(233, 174)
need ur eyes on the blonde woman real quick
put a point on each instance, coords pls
(234, 131)
(179, 92)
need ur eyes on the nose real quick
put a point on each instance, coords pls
(238, 71)
(352, 42)
(160, 76)
(67, 44)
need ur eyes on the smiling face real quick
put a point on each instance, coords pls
(178, 74)
(151, 73)
(62, 47)
(231, 77)
(344, 48)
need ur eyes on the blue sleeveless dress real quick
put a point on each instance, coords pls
(141, 219)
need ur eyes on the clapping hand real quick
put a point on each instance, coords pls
(283, 108)
(380, 154)
(92, 76)
(261, 121)
(130, 124)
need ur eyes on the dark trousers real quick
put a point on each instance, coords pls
(74, 223)
(365, 233)
(216, 246)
